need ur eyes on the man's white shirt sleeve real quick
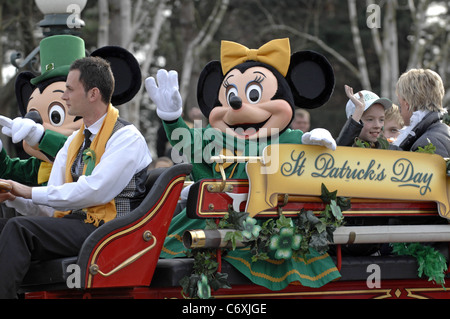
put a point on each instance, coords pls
(125, 155)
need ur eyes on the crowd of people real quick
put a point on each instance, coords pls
(415, 122)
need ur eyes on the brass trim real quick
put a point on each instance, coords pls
(220, 188)
(346, 213)
(415, 292)
(94, 269)
(379, 294)
(220, 160)
(197, 238)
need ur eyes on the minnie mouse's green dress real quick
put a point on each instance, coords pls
(314, 271)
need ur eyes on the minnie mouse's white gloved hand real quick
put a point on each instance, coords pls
(319, 136)
(21, 129)
(166, 96)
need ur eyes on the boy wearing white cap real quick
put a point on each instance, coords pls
(366, 113)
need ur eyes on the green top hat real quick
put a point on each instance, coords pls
(57, 54)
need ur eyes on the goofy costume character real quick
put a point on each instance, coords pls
(46, 124)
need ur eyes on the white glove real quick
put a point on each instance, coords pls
(21, 129)
(319, 136)
(167, 96)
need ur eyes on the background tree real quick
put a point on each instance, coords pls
(17, 26)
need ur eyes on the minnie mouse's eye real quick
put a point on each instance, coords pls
(231, 92)
(254, 93)
(57, 115)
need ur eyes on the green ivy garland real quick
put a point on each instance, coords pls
(284, 237)
(431, 262)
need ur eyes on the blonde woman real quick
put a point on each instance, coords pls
(420, 94)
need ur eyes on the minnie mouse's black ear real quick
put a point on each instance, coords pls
(24, 89)
(126, 70)
(208, 87)
(311, 78)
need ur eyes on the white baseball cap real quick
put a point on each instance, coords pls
(370, 99)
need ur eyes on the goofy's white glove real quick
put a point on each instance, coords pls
(319, 136)
(22, 129)
(166, 96)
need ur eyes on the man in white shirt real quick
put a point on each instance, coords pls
(97, 176)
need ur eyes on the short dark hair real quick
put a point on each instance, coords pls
(96, 72)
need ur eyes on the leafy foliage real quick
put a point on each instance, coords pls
(446, 119)
(283, 237)
(431, 262)
(204, 273)
(314, 231)
(428, 149)
(382, 142)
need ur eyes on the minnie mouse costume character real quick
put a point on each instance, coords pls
(249, 98)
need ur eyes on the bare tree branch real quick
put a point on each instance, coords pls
(149, 53)
(361, 59)
(197, 45)
(418, 46)
(103, 25)
(317, 41)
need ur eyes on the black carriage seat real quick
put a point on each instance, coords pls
(53, 274)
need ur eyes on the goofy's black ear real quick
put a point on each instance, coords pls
(24, 89)
(311, 78)
(208, 87)
(126, 70)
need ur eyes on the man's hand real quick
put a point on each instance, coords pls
(6, 196)
(5, 192)
(16, 189)
(166, 96)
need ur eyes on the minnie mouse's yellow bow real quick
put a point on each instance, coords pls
(276, 53)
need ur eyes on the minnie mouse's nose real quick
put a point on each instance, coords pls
(236, 102)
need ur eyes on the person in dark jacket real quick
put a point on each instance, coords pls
(366, 113)
(420, 93)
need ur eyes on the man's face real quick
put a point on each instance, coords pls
(75, 95)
